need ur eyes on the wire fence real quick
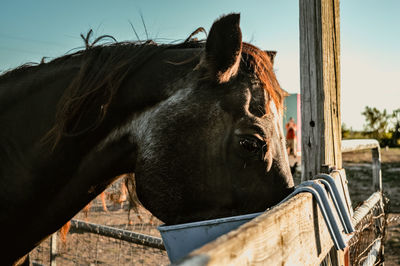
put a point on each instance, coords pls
(366, 246)
(81, 247)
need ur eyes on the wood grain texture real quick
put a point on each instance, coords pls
(320, 85)
(350, 145)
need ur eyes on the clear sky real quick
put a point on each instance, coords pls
(370, 37)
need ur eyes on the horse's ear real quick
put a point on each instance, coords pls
(224, 47)
(271, 55)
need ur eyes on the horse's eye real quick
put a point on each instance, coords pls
(251, 144)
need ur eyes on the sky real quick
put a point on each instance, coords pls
(370, 37)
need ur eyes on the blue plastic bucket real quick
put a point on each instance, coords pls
(181, 239)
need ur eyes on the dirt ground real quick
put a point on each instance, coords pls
(359, 174)
(90, 249)
(82, 248)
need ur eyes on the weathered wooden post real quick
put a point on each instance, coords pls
(376, 169)
(320, 86)
(320, 91)
(53, 249)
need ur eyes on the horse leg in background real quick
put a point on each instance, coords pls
(118, 197)
(103, 201)
(123, 196)
(86, 210)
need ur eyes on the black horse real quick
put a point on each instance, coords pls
(197, 122)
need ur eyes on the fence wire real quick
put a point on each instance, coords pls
(369, 235)
(83, 248)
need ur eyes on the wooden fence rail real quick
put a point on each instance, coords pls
(108, 231)
(367, 144)
(359, 145)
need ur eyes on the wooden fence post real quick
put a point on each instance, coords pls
(53, 249)
(320, 92)
(376, 169)
(320, 86)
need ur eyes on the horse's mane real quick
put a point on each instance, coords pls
(95, 85)
(259, 63)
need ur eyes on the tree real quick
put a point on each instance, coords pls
(345, 131)
(377, 122)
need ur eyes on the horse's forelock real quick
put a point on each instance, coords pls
(259, 62)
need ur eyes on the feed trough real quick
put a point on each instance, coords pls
(181, 239)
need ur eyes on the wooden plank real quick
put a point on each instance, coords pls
(376, 169)
(350, 145)
(292, 233)
(53, 249)
(365, 208)
(320, 90)
(320, 86)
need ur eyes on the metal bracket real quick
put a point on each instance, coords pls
(334, 232)
(330, 220)
(317, 189)
(337, 200)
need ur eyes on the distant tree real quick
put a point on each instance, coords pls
(377, 122)
(345, 131)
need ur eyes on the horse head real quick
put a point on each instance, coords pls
(215, 147)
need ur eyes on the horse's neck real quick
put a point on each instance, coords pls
(25, 91)
(28, 103)
(33, 105)
(65, 180)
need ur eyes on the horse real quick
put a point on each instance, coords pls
(197, 122)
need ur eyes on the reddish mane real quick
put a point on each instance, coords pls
(260, 63)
